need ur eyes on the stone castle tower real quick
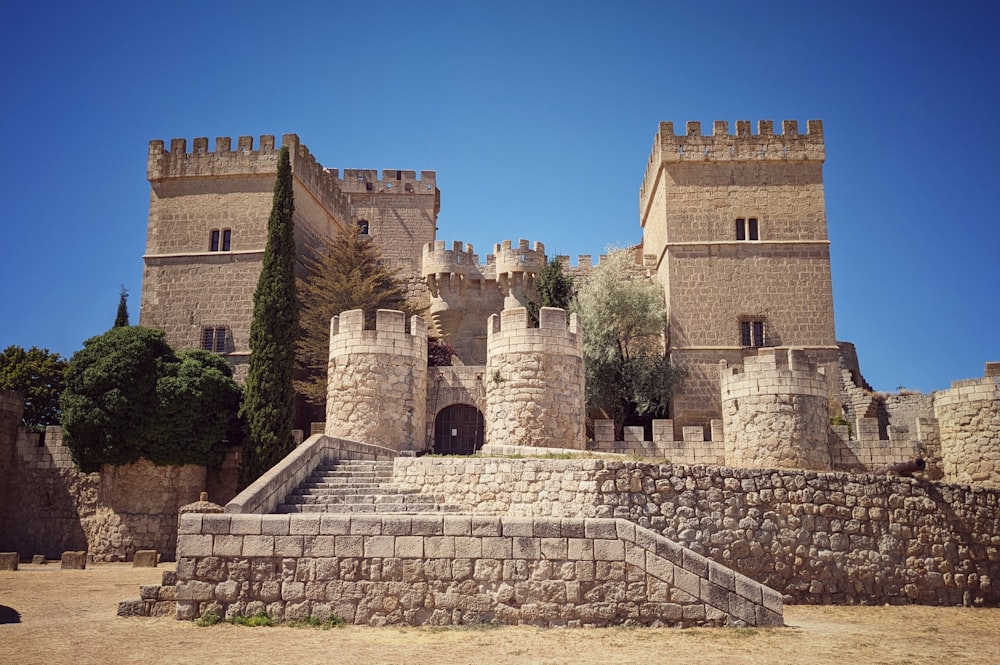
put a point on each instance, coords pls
(208, 212)
(736, 227)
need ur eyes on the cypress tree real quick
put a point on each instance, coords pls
(268, 401)
(121, 318)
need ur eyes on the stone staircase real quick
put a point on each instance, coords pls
(358, 487)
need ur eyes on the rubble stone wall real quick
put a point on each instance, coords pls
(820, 538)
(968, 417)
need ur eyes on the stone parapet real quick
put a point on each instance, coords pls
(457, 569)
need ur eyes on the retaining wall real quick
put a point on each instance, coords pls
(830, 538)
(456, 569)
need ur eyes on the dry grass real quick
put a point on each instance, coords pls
(48, 615)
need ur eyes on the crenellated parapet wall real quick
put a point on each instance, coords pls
(968, 416)
(775, 412)
(377, 380)
(535, 380)
(177, 162)
(391, 181)
(720, 146)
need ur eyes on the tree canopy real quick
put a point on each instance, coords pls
(129, 396)
(346, 272)
(269, 399)
(629, 376)
(555, 289)
(38, 375)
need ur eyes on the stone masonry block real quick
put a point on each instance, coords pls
(194, 545)
(600, 528)
(553, 548)
(766, 618)
(288, 546)
(742, 609)
(695, 562)
(485, 526)
(772, 600)
(350, 546)
(410, 547)
(468, 547)
(319, 546)
(635, 556)
(244, 525)
(548, 527)
(215, 523)
(9, 560)
(749, 589)
(304, 524)
(580, 549)
(457, 525)
(396, 525)
(439, 547)
(518, 526)
(625, 530)
(670, 551)
(428, 525)
(724, 577)
(609, 550)
(497, 548)
(380, 547)
(366, 525)
(258, 545)
(274, 525)
(189, 523)
(714, 595)
(687, 582)
(225, 545)
(334, 524)
(526, 548)
(659, 567)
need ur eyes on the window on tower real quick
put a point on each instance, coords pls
(220, 240)
(752, 333)
(215, 339)
(747, 228)
(363, 227)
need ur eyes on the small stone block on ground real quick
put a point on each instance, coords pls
(74, 560)
(9, 560)
(39, 560)
(145, 559)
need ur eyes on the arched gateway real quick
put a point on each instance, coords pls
(458, 430)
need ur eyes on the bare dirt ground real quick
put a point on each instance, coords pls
(51, 616)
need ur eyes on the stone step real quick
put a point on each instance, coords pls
(351, 489)
(359, 499)
(388, 508)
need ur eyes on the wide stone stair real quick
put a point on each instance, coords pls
(358, 487)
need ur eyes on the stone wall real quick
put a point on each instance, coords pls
(535, 380)
(816, 537)
(775, 412)
(372, 369)
(968, 417)
(456, 569)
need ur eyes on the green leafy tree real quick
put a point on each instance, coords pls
(129, 396)
(347, 272)
(554, 287)
(121, 319)
(629, 376)
(38, 375)
(269, 398)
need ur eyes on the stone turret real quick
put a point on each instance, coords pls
(535, 380)
(775, 412)
(968, 417)
(377, 386)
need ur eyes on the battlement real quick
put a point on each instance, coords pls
(773, 371)
(743, 146)
(521, 259)
(461, 259)
(392, 181)
(985, 388)
(555, 333)
(178, 162)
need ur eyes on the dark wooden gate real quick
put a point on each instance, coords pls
(458, 430)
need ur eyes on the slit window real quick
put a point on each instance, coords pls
(363, 227)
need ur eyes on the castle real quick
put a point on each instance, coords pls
(734, 229)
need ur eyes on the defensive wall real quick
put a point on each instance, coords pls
(48, 507)
(815, 537)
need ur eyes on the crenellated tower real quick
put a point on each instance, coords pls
(207, 230)
(735, 225)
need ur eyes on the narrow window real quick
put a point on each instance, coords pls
(399, 175)
(368, 186)
(758, 330)
(213, 244)
(363, 227)
(227, 240)
(213, 338)
(745, 338)
(741, 229)
(752, 224)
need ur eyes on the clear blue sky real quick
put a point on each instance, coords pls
(538, 118)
